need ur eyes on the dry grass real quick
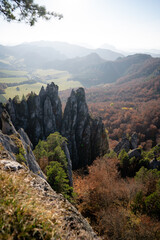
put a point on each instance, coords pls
(16, 139)
(22, 214)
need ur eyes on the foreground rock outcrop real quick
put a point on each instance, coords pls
(67, 222)
(14, 143)
(41, 115)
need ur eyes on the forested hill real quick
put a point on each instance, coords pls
(122, 70)
(40, 54)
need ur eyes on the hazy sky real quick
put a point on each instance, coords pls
(126, 24)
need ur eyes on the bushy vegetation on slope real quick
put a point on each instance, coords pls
(129, 166)
(120, 208)
(53, 163)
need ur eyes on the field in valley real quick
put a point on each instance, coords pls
(22, 82)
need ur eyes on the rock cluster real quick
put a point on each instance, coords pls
(41, 115)
(126, 143)
(70, 224)
(12, 142)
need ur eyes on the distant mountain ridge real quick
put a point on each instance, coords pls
(73, 51)
(122, 70)
(76, 65)
(39, 54)
(90, 67)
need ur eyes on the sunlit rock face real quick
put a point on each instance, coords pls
(41, 115)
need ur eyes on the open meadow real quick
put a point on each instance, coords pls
(22, 82)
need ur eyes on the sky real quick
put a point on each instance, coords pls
(125, 24)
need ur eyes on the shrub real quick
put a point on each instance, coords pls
(58, 155)
(152, 203)
(53, 162)
(148, 202)
(103, 192)
(50, 150)
(20, 156)
(138, 205)
(57, 178)
(54, 140)
(111, 154)
(124, 162)
(105, 199)
(149, 178)
(40, 150)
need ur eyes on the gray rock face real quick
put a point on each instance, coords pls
(155, 164)
(123, 144)
(127, 144)
(11, 165)
(135, 153)
(41, 115)
(7, 126)
(8, 145)
(13, 142)
(29, 156)
(69, 163)
(134, 141)
(87, 138)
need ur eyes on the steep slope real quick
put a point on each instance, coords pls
(149, 68)
(17, 145)
(29, 207)
(32, 209)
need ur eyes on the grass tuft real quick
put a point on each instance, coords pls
(22, 214)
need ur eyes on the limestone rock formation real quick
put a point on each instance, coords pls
(135, 153)
(127, 144)
(154, 164)
(69, 163)
(134, 141)
(16, 142)
(87, 138)
(41, 115)
(11, 165)
(7, 126)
